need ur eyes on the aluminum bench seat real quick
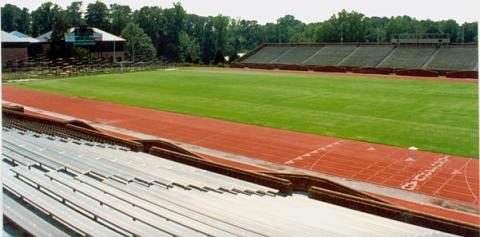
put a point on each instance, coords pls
(46, 159)
(145, 213)
(95, 209)
(71, 218)
(224, 181)
(42, 161)
(28, 221)
(163, 209)
(16, 158)
(201, 209)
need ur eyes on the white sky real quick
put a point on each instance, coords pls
(306, 10)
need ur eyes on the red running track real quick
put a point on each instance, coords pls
(438, 175)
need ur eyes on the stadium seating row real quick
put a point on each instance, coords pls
(42, 67)
(377, 56)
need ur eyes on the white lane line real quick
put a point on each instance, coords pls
(468, 183)
(311, 153)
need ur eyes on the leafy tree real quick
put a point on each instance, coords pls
(398, 25)
(428, 26)
(375, 31)
(43, 18)
(347, 27)
(120, 15)
(189, 49)
(469, 32)
(195, 26)
(451, 28)
(208, 43)
(188, 37)
(286, 27)
(245, 35)
(97, 15)
(10, 14)
(220, 26)
(153, 22)
(74, 14)
(138, 43)
(58, 46)
(270, 33)
(23, 21)
(175, 26)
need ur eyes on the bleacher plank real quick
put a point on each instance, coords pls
(16, 158)
(454, 58)
(88, 205)
(162, 210)
(367, 56)
(32, 155)
(78, 222)
(128, 205)
(407, 57)
(330, 55)
(28, 221)
(210, 211)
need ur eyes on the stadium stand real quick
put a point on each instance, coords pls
(414, 59)
(266, 55)
(42, 67)
(64, 186)
(367, 56)
(407, 57)
(296, 55)
(330, 55)
(454, 58)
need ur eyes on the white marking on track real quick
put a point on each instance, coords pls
(425, 174)
(468, 183)
(309, 154)
(448, 180)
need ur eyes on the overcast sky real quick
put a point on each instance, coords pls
(306, 10)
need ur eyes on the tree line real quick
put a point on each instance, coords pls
(183, 37)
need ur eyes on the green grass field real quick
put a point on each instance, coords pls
(437, 116)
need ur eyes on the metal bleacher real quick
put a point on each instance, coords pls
(367, 56)
(296, 55)
(266, 54)
(454, 58)
(408, 57)
(330, 55)
(441, 56)
(55, 187)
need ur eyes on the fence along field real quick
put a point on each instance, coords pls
(438, 116)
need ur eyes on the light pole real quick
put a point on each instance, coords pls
(133, 51)
(114, 55)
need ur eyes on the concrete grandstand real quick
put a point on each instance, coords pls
(423, 59)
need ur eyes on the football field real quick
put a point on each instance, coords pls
(438, 116)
